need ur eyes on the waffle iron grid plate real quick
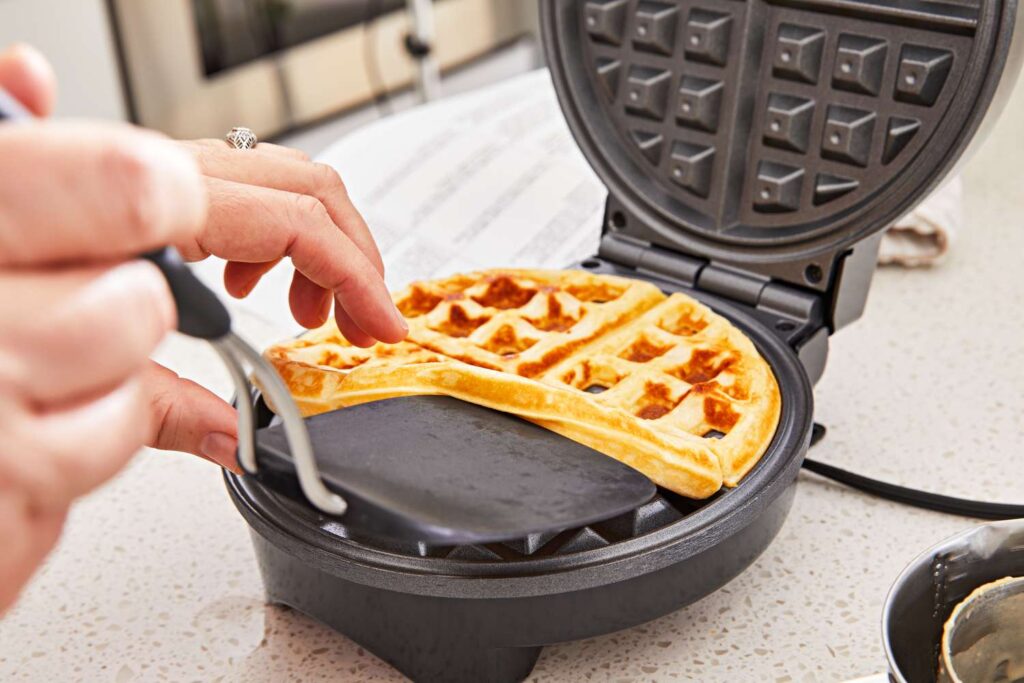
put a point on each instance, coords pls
(771, 135)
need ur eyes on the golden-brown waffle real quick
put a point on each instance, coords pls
(519, 321)
(660, 383)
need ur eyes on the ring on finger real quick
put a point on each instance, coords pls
(242, 138)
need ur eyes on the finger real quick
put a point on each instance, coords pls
(350, 330)
(310, 303)
(81, 331)
(28, 77)
(281, 171)
(241, 278)
(76, 447)
(257, 224)
(29, 535)
(186, 417)
(93, 191)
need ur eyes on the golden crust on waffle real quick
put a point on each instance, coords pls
(658, 382)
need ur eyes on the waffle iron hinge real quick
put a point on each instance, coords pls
(800, 316)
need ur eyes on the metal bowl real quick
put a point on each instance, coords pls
(930, 588)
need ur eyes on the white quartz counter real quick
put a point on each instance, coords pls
(155, 578)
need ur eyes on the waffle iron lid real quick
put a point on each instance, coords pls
(753, 131)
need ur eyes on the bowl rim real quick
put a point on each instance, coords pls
(959, 540)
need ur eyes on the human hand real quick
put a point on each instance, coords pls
(270, 202)
(266, 204)
(78, 315)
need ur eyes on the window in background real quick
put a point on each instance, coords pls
(233, 32)
(199, 67)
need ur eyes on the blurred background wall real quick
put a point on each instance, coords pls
(195, 68)
(78, 40)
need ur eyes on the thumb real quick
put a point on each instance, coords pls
(189, 418)
(28, 77)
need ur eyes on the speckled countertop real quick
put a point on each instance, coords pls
(155, 578)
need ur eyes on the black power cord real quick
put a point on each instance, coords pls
(909, 496)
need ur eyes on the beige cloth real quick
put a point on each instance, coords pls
(923, 237)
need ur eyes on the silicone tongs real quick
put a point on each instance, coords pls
(202, 315)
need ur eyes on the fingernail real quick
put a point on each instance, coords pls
(401, 318)
(220, 448)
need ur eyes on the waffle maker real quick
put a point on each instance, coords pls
(753, 150)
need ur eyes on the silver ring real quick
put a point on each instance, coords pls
(242, 138)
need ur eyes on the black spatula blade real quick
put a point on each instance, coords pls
(436, 470)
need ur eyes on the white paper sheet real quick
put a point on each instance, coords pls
(488, 179)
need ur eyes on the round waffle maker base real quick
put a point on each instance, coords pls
(474, 613)
(753, 151)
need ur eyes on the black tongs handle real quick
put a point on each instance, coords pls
(200, 312)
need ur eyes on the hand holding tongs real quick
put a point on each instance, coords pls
(202, 315)
(416, 469)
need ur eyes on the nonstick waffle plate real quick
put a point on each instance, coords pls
(764, 131)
